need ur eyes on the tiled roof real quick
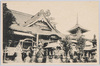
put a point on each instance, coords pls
(24, 20)
(21, 17)
(75, 28)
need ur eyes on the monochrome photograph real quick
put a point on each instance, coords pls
(64, 32)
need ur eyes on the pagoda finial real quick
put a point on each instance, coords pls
(77, 19)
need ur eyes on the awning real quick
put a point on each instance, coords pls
(52, 45)
(89, 46)
(73, 41)
(23, 34)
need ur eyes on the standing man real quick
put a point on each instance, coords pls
(94, 41)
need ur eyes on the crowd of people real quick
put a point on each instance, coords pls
(65, 52)
(60, 54)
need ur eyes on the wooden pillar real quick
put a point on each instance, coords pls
(4, 53)
(32, 42)
(46, 52)
(37, 39)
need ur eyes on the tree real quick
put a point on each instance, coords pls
(81, 43)
(8, 19)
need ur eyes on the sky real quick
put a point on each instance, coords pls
(65, 13)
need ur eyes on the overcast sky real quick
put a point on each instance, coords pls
(65, 13)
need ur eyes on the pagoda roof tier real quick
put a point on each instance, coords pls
(75, 29)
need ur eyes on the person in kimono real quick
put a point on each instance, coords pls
(40, 55)
(72, 50)
(58, 55)
(27, 59)
(24, 56)
(18, 50)
(31, 54)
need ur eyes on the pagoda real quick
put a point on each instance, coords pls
(77, 31)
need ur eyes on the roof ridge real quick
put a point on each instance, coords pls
(51, 25)
(36, 16)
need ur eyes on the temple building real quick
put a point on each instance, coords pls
(37, 27)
